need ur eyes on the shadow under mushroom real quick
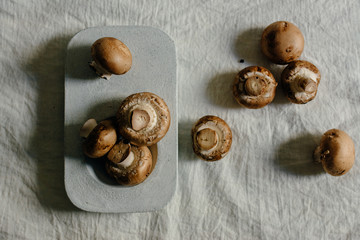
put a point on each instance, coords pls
(296, 156)
(220, 91)
(186, 152)
(80, 56)
(47, 143)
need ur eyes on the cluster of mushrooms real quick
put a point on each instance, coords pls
(282, 43)
(123, 141)
(141, 121)
(254, 87)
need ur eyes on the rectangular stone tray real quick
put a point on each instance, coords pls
(87, 96)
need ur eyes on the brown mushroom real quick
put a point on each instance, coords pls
(99, 138)
(336, 152)
(110, 56)
(282, 42)
(300, 80)
(211, 137)
(143, 118)
(254, 87)
(129, 164)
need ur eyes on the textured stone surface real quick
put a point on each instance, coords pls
(87, 96)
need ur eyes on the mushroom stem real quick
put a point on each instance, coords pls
(139, 119)
(100, 70)
(128, 160)
(119, 152)
(307, 85)
(254, 86)
(88, 126)
(207, 138)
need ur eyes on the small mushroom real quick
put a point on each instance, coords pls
(99, 138)
(143, 118)
(336, 152)
(300, 80)
(282, 42)
(211, 138)
(129, 164)
(110, 56)
(254, 87)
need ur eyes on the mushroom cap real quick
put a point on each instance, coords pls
(157, 120)
(254, 87)
(136, 168)
(100, 140)
(207, 145)
(300, 80)
(282, 42)
(112, 55)
(336, 152)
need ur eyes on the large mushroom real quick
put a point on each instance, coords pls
(254, 87)
(110, 56)
(336, 152)
(282, 42)
(143, 118)
(129, 164)
(300, 80)
(99, 138)
(211, 137)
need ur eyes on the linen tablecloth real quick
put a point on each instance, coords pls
(266, 188)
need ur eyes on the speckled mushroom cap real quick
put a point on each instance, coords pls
(300, 80)
(110, 56)
(254, 87)
(143, 118)
(282, 42)
(336, 152)
(211, 137)
(100, 140)
(129, 164)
